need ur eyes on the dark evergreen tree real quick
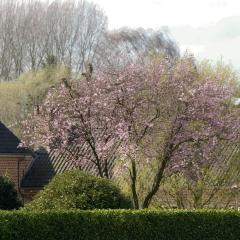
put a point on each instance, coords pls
(8, 194)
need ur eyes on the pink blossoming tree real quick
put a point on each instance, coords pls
(161, 113)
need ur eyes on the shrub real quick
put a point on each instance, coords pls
(8, 194)
(120, 225)
(77, 189)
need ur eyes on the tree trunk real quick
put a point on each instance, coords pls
(159, 176)
(133, 176)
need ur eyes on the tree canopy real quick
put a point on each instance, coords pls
(164, 113)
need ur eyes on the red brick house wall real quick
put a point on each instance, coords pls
(14, 166)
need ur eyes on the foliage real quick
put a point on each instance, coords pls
(121, 225)
(76, 189)
(17, 98)
(164, 114)
(219, 68)
(216, 186)
(8, 194)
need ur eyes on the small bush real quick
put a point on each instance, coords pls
(77, 189)
(8, 194)
(120, 225)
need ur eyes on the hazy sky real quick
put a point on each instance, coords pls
(209, 28)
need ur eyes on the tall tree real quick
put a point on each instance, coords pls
(125, 46)
(160, 114)
(74, 31)
(32, 30)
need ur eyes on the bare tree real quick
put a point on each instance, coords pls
(123, 46)
(32, 30)
(75, 32)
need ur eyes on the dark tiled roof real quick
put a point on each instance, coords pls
(47, 164)
(9, 142)
(44, 166)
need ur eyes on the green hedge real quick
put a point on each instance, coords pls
(120, 224)
(76, 189)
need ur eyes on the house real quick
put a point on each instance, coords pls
(41, 170)
(13, 160)
(31, 171)
(45, 165)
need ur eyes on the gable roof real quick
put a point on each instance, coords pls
(9, 142)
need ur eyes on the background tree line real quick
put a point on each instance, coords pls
(74, 32)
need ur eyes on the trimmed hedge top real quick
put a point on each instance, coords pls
(120, 225)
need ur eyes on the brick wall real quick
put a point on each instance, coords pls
(14, 166)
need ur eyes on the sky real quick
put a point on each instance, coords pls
(208, 28)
